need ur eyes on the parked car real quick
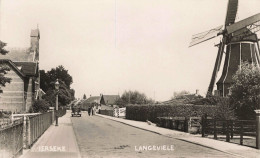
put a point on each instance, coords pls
(76, 111)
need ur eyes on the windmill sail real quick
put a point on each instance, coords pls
(231, 12)
(216, 67)
(204, 36)
(230, 19)
(251, 21)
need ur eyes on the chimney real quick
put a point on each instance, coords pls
(35, 37)
(197, 92)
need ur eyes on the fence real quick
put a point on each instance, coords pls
(107, 112)
(177, 123)
(119, 112)
(36, 126)
(236, 131)
(23, 131)
(11, 139)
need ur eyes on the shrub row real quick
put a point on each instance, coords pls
(151, 112)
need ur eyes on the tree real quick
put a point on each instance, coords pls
(45, 81)
(84, 96)
(3, 68)
(245, 90)
(133, 97)
(61, 73)
(64, 95)
(48, 79)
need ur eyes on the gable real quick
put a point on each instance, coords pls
(28, 68)
(13, 67)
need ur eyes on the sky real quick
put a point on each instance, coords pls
(109, 46)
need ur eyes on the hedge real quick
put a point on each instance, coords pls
(151, 112)
(106, 112)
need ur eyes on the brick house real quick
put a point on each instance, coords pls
(24, 89)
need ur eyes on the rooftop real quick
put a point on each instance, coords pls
(18, 54)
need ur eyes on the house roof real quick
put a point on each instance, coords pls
(19, 54)
(28, 68)
(110, 99)
(93, 99)
(12, 65)
(190, 96)
(174, 101)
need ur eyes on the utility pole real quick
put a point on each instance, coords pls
(0, 19)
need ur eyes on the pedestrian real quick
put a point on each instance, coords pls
(93, 110)
(89, 110)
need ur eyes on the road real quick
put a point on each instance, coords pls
(99, 137)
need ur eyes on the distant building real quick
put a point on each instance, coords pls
(91, 101)
(109, 99)
(101, 102)
(183, 99)
(24, 89)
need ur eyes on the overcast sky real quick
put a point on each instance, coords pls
(110, 46)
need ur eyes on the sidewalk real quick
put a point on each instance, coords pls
(230, 148)
(56, 142)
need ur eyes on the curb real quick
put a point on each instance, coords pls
(236, 155)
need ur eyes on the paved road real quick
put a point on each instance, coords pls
(100, 137)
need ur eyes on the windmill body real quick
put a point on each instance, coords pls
(239, 43)
(236, 53)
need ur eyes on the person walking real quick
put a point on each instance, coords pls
(89, 110)
(93, 108)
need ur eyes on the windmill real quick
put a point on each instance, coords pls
(239, 42)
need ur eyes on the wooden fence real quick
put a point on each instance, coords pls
(229, 128)
(11, 139)
(177, 123)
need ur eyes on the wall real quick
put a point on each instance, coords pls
(12, 98)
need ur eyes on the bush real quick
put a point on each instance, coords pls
(225, 110)
(245, 90)
(40, 106)
(151, 112)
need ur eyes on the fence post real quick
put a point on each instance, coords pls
(25, 132)
(215, 129)
(241, 133)
(257, 129)
(202, 126)
(186, 125)
(227, 131)
(204, 121)
(28, 131)
(232, 129)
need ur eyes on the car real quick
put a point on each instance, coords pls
(76, 111)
